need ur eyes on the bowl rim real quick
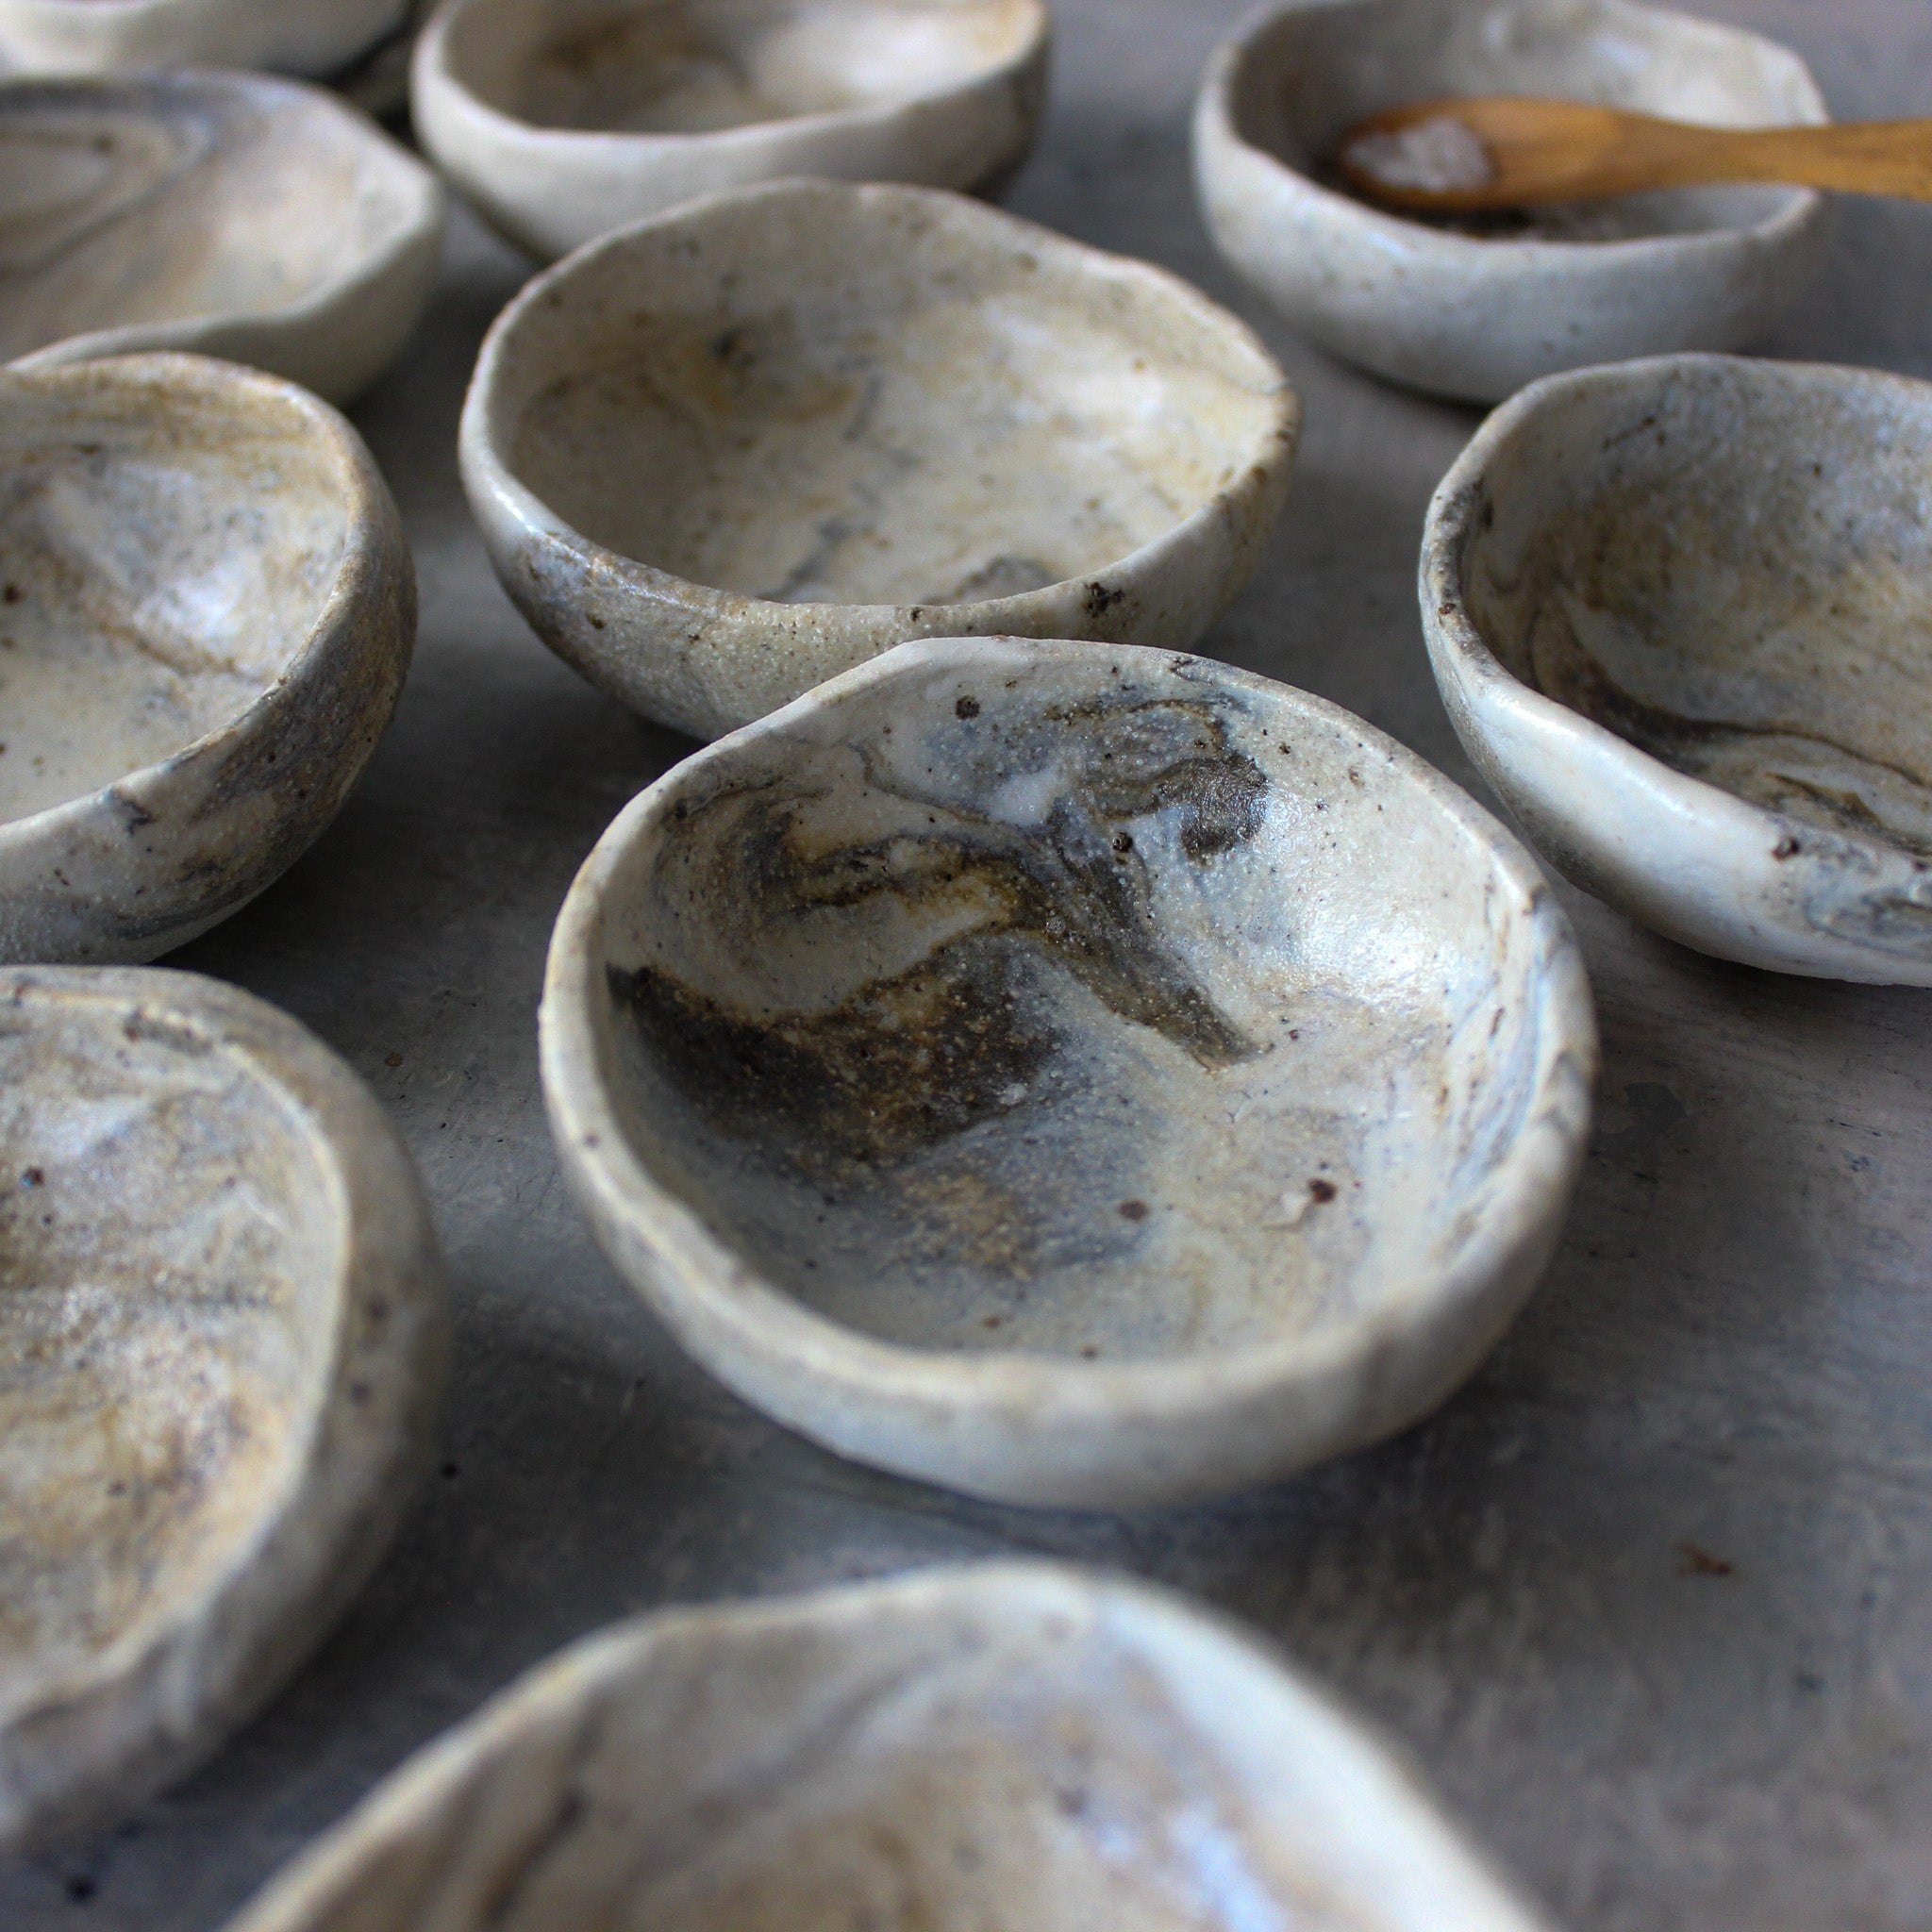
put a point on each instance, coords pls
(485, 437)
(1216, 125)
(1540, 1166)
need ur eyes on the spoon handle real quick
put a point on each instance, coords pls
(1856, 158)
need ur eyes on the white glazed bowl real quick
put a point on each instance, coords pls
(726, 454)
(314, 37)
(1479, 317)
(1679, 611)
(1071, 1073)
(207, 606)
(1005, 1746)
(231, 214)
(564, 120)
(222, 1331)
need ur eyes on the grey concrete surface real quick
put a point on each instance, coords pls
(1651, 1601)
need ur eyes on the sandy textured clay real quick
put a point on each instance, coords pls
(207, 606)
(1005, 1746)
(1681, 613)
(221, 1333)
(231, 214)
(566, 122)
(735, 450)
(313, 37)
(1075, 1075)
(1480, 316)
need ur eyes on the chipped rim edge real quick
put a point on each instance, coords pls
(363, 1444)
(1480, 692)
(1520, 1216)
(1265, 461)
(1306, 1719)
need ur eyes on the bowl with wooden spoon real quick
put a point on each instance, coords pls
(1474, 305)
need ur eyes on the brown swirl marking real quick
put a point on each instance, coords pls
(911, 1060)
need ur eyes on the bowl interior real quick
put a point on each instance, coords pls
(1314, 73)
(168, 200)
(167, 1322)
(1092, 1004)
(1729, 564)
(871, 397)
(167, 541)
(694, 66)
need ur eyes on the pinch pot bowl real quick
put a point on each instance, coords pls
(314, 37)
(1478, 315)
(221, 1340)
(207, 606)
(1073, 1074)
(1679, 611)
(230, 214)
(730, 453)
(1003, 1745)
(563, 120)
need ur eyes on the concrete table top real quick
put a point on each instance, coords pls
(1651, 1601)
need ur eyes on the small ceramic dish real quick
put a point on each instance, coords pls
(1478, 315)
(1005, 1746)
(232, 214)
(726, 454)
(80, 37)
(221, 1344)
(1679, 611)
(1073, 1074)
(207, 606)
(563, 120)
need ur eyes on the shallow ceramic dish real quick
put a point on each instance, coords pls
(564, 120)
(232, 214)
(207, 606)
(313, 37)
(221, 1343)
(1473, 316)
(732, 452)
(1679, 611)
(1006, 1745)
(1073, 1074)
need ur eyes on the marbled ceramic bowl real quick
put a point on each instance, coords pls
(1073, 1074)
(1479, 315)
(313, 37)
(1679, 611)
(563, 120)
(1014, 1744)
(221, 1343)
(726, 454)
(207, 606)
(231, 214)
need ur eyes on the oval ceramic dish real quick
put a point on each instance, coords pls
(221, 1344)
(728, 454)
(1013, 1744)
(564, 122)
(1679, 612)
(1073, 1074)
(1480, 315)
(207, 606)
(313, 37)
(232, 214)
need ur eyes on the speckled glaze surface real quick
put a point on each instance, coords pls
(730, 452)
(231, 214)
(564, 122)
(1073, 1074)
(220, 1346)
(1477, 317)
(312, 37)
(1679, 611)
(1009, 1744)
(207, 606)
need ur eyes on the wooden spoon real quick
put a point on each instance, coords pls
(1500, 151)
